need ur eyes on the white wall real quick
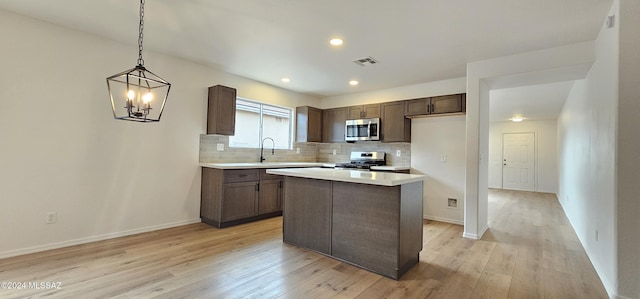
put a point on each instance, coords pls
(628, 149)
(61, 150)
(546, 152)
(586, 158)
(430, 139)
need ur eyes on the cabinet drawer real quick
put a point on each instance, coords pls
(240, 175)
(267, 176)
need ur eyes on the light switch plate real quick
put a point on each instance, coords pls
(297, 150)
(443, 158)
(334, 152)
(220, 147)
(398, 153)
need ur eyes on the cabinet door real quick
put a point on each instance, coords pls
(355, 112)
(418, 107)
(270, 199)
(308, 124)
(221, 110)
(371, 111)
(446, 104)
(333, 123)
(395, 127)
(366, 111)
(240, 200)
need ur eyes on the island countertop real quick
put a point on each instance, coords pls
(350, 176)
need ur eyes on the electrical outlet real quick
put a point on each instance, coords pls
(52, 217)
(220, 147)
(334, 152)
(398, 153)
(297, 150)
(443, 158)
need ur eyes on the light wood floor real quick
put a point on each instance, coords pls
(530, 251)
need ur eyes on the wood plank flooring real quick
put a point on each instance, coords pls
(530, 251)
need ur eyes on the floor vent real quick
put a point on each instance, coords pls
(366, 61)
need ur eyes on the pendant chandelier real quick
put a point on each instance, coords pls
(137, 93)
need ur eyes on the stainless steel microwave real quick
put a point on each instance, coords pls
(362, 129)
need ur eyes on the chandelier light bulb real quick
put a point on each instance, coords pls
(147, 97)
(131, 95)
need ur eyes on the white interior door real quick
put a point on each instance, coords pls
(518, 161)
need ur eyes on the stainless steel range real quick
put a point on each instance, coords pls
(364, 160)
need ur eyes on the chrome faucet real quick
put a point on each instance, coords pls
(273, 150)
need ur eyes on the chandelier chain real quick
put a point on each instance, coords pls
(141, 35)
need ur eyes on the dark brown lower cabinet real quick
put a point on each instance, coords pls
(378, 228)
(240, 200)
(270, 195)
(234, 196)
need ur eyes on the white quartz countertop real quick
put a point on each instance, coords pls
(260, 165)
(350, 176)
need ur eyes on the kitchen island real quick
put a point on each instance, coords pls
(369, 219)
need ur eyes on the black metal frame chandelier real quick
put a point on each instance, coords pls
(138, 89)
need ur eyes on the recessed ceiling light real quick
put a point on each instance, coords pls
(336, 41)
(517, 118)
(353, 82)
(285, 80)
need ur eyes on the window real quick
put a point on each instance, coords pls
(255, 121)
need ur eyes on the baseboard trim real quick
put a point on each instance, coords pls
(34, 249)
(441, 219)
(476, 236)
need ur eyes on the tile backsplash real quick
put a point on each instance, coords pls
(309, 152)
(343, 150)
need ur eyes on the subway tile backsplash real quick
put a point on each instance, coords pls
(309, 152)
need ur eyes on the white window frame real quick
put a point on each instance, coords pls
(261, 113)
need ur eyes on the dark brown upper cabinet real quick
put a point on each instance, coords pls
(449, 104)
(364, 111)
(333, 123)
(395, 126)
(308, 124)
(221, 112)
(416, 107)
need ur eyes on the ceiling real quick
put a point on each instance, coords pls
(533, 102)
(415, 41)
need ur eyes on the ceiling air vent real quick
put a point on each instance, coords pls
(365, 61)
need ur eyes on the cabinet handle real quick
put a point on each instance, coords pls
(257, 186)
(428, 108)
(433, 108)
(281, 184)
(243, 175)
